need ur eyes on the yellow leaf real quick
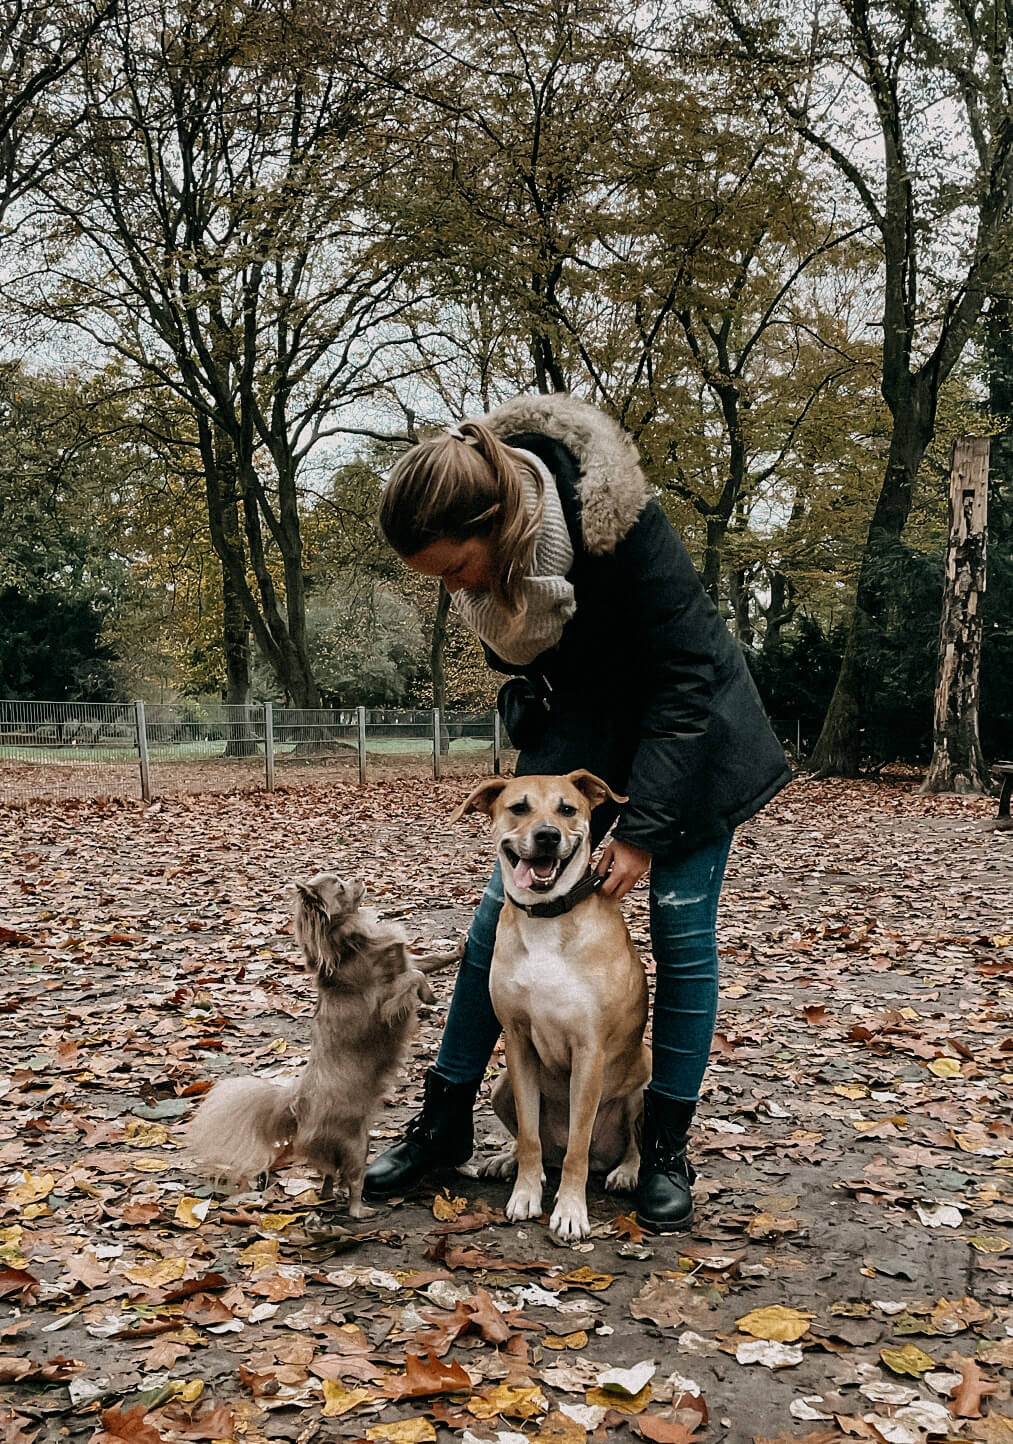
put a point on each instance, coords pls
(142, 1134)
(586, 1278)
(191, 1212)
(625, 1403)
(187, 1389)
(989, 1243)
(157, 1273)
(31, 1189)
(261, 1253)
(513, 1400)
(11, 1237)
(1002, 940)
(152, 1165)
(970, 1142)
(776, 1322)
(851, 1090)
(37, 1210)
(339, 1400)
(445, 1207)
(910, 1014)
(278, 1045)
(278, 1222)
(565, 1341)
(403, 1431)
(945, 1067)
(908, 1360)
(734, 990)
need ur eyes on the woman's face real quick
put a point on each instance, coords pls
(458, 564)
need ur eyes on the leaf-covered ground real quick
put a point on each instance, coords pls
(851, 1270)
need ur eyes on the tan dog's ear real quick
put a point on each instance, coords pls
(593, 788)
(481, 800)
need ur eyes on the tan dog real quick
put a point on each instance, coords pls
(571, 995)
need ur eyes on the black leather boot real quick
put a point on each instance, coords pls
(441, 1136)
(664, 1199)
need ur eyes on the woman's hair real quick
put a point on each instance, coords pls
(453, 487)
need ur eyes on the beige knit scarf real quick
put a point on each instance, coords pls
(549, 596)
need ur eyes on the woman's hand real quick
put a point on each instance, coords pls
(624, 866)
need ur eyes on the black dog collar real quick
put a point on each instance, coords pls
(589, 883)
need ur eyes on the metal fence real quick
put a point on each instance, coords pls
(137, 749)
(130, 749)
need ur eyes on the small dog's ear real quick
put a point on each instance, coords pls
(358, 890)
(593, 788)
(312, 925)
(481, 800)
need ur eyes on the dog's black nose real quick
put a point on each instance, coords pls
(547, 838)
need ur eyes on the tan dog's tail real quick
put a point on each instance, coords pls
(241, 1128)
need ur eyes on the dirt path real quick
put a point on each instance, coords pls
(855, 1146)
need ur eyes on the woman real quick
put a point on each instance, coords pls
(541, 523)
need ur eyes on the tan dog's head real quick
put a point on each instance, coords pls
(321, 905)
(542, 827)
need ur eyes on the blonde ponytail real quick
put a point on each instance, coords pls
(460, 484)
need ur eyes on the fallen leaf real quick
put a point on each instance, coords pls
(775, 1322)
(907, 1360)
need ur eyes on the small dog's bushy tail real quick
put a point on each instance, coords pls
(241, 1128)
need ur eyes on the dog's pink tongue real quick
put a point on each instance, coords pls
(523, 874)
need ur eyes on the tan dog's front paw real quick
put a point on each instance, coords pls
(569, 1221)
(624, 1178)
(525, 1202)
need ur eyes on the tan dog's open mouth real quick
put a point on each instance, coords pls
(537, 874)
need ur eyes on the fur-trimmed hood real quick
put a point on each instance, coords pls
(613, 489)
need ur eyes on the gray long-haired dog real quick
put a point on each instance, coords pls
(368, 991)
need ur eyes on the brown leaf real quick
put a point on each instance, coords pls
(20, 1282)
(663, 1430)
(131, 1425)
(428, 1376)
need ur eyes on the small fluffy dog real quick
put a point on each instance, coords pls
(368, 991)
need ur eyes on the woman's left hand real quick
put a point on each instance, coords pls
(624, 866)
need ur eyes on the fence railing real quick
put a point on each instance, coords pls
(124, 749)
(130, 748)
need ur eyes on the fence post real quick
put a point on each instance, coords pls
(436, 744)
(269, 745)
(798, 736)
(142, 751)
(496, 743)
(361, 717)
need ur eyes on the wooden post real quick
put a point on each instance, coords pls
(436, 743)
(142, 751)
(269, 745)
(497, 744)
(361, 717)
(957, 761)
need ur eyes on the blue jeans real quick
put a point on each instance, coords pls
(684, 906)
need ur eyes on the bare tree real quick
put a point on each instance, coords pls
(214, 231)
(939, 195)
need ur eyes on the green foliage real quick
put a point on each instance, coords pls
(51, 648)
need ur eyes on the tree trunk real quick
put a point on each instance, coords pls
(738, 587)
(240, 740)
(436, 666)
(957, 762)
(717, 527)
(838, 750)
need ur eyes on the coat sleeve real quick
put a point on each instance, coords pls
(681, 648)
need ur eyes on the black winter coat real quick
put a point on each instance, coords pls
(646, 688)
